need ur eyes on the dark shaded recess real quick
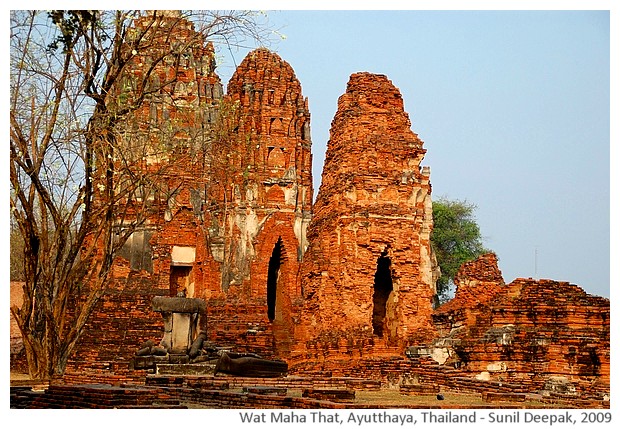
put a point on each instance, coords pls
(382, 288)
(275, 262)
(178, 278)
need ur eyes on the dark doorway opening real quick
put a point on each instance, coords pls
(382, 289)
(275, 262)
(179, 280)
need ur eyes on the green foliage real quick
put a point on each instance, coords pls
(455, 239)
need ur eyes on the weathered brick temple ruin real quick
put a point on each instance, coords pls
(343, 287)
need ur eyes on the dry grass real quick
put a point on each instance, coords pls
(18, 376)
(392, 398)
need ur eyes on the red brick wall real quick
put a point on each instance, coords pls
(120, 323)
(18, 354)
(535, 329)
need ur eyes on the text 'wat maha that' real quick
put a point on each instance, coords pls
(237, 256)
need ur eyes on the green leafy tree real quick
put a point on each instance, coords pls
(455, 239)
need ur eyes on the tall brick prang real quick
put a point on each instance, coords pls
(263, 199)
(367, 275)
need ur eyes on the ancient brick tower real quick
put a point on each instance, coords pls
(168, 138)
(228, 221)
(175, 120)
(367, 275)
(257, 233)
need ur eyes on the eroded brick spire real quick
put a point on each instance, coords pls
(368, 273)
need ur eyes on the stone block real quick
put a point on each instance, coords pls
(178, 359)
(166, 304)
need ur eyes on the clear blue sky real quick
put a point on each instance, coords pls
(513, 108)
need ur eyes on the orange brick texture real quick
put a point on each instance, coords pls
(367, 275)
(529, 330)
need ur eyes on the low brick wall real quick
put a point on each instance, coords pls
(290, 382)
(94, 396)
